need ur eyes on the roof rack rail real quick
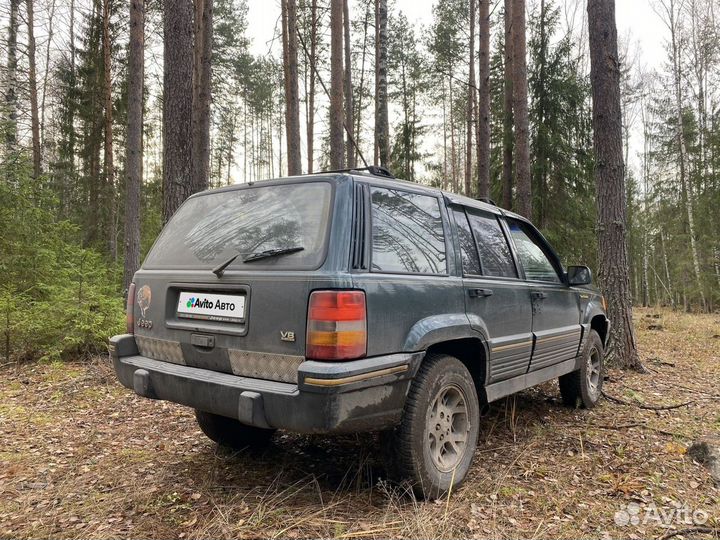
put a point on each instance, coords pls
(372, 169)
(486, 200)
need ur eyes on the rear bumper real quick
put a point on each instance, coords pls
(361, 395)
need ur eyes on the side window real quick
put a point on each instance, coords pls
(536, 263)
(495, 257)
(407, 233)
(468, 251)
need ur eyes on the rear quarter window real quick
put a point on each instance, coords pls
(495, 256)
(407, 233)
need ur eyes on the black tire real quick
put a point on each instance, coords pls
(231, 433)
(417, 449)
(583, 388)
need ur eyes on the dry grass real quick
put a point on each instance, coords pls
(80, 456)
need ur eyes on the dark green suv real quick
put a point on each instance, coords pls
(351, 301)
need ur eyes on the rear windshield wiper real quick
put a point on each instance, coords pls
(272, 253)
(220, 270)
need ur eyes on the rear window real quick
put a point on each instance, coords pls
(208, 230)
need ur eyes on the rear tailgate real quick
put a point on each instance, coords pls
(268, 342)
(251, 319)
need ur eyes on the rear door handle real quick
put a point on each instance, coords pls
(475, 293)
(537, 295)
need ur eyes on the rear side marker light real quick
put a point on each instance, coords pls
(130, 316)
(337, 325)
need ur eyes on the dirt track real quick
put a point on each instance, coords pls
(80, 456)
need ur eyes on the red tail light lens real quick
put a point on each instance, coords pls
(336, 326)
(129, 309)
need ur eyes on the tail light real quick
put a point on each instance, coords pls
(336, 326)
(129, 309)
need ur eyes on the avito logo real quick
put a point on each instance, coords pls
(204, 303)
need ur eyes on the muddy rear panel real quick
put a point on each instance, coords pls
(251, 319)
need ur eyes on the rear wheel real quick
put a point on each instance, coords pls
(583, 387)
(434, 444)
(231, 433)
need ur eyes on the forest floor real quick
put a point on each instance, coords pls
(80, 456)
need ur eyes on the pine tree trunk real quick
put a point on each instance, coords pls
(666, 267)
(444, 182)
(610, 181)
(508, 120)
(361, 88)
(292, 99)
(108, 161)
(470, 104)
(177, 104)
(34, 116)
(453, 155)
(347, 86)
(337, 147)
(483, 126)
(11, 101)
(312, 65)
(202, 75)
(520, 112)
(71, 111)
(382, 130)
(646, 181)
(46, 76)
(134, 140)
(683, 164)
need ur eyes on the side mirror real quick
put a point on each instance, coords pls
(579, 275)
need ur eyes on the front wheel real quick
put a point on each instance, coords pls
(231, 433)
(583, 387)
(434, 444)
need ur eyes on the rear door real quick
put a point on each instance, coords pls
(493, 292)
(555, 306)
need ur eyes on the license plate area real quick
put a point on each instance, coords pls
(175, 322)
(211, 306)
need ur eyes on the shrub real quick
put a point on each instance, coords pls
(57, 299)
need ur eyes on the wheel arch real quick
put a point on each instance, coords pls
(472, 352)
(601, 325)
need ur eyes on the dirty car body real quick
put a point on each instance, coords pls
(341, 285)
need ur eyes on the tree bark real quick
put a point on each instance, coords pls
(453, 154)
(508, 120)
(685, 182)
(347, 87)
(361, 88)
(108, 162)
(292, 99)
(444, 182)
(382, 130)
(201, 81)
(610, 181)
(35, 118)
(11, 102)
(46, 76)
(483, 126)
(470, 116)
(312, 65)
(134, 141)
(520, 111)
(337, 148)
(177, 104)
